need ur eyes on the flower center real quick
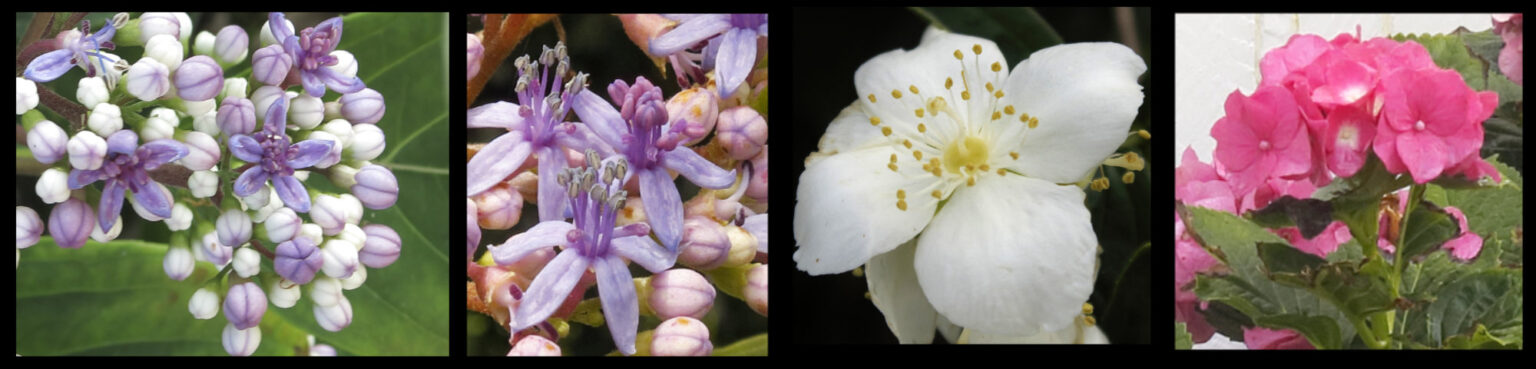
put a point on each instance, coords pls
(1347, 135)
(969, 153)
(1419, 126)
(1264, 145)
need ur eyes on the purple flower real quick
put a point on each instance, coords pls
(75, 49)
(276, 158)
(127, 167)
(730, 43)
(592, 241)
(641, 133)
(535, 126)
(310, 50)
(298, 259)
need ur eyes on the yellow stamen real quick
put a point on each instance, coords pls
(998, 94)
(901, 204)
(1034, 122)
(901, 194)
(893, 158)
(985, 167)
(1008, 109)
(957, 55)
(892, 166)
(965, 95)
(970, 181)
(1088, 320)
(937, 195)
(989, 86)
(912, 88)
(885, 131)
(997, 67)
(1000, 171)
(1015, 155)
(907, 143)
(1024, 117)
(922, 128)
(1128, 177)
(896, 94)
(1144, 134)
(1087, 309)
(919, 112)
(871, 97)
(997, 115)
(918, 155)
(976, 48)
(949, 82)
(874, 121)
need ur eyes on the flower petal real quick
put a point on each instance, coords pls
(279, 26)
(155, 153)
(552, 196)
(850, 131)
(698, 169)
(111, 203)
(250, 181)
(1085, 96)
(331, 25)
(689, 33)
(848, 210)
(1423, 154)
(313, 84)
(500, 114)
(1011, 255)
(50, 65)
(757, 225)
(663, 206)
(292, 192)
(122, 142)
(338, 82)
(643, 251)
(496, 161)
(79, 178)
(541, 236)
(737, 55)
(1072, 334)
(277, 117)
(600, 117)
(885, 82)
(894, 289)
(152, 197)
(308, 152)
(549, 289)
(245, 148)
(621, 307)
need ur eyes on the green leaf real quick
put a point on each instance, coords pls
(1310, 216)
(114, 299)
(1481, 340)
(1181, 337)
(1286, 264)
(1425, 230)
(1322, 332)
(1356, 290)
(1017, 31)
(750, 346)
(1489, 298)
(402, 309)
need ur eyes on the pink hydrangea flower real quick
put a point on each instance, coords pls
(1511, 27)
(1269, 339)
(1430, 121)
(1474, 169)
(1298, 52)
(1468, 244)
(1261, 137)
(1325, 243)
(1190, 259)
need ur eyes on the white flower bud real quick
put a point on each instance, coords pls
(306, 111)
(356, 280)
(149, 79)
(204, 304)
(332, 157)
(200, 107)
(282, 225)
(328, 212)
(152, 24)
(178, 263)
(234, 228)
(53, 186)
(48, 142)
(202, 151)
(342, 175)
(26, 95)
(367, 142)
(326, 291)
(203, 44)
(235, 88)
(203, 183)
(160, 124)
(312, 232)
(213, 252)
(186, 23)
(353, 235)
(342, 129)
(257, 199)
(354, 208)
(247, 262)
(87, 151)
(340, 258)
(207, 123)
(263, 97)
(166, 50)
(239, 342)
(336, 317)
(29, 228)
(106, 236)
(283, 293)
(266, 32)
(92, 91)
(181, 218)
(273, 204)
(346, 64)
(105, 119)
(143, 212)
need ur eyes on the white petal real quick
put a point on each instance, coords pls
(1011, 255)
(847, 209)
(927, 67)
(893, 288)
(1084, 95)
(848, 132)
(1077, 333)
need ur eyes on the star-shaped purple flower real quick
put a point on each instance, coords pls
(311, 53)
(127, 167)
(641, 132)
(591, 240)
(730, 43)
(75, 49)
(276, 157)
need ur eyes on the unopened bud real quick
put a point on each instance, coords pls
(381, 248)
(238, 342)
(336, 317)
(364, 106)
(87, 151)
(199, 78)
(204, 304)
(681, 336)
(247, 262)
(756, 292)
(202, 151)
(48, 142)
(297, 260)
(105, 236)
(148, 79)
(498, 208)
(367, 142)
(306, 112)
(705, 244)
(166, 50)
(245, 304)
(70, 223)
(29, 227)
(161, 124)
(270, 65)
(105, 119)
(181, 218)
(534, 345)
(283, 293)
(234, 228)
(92, 91)
(340, 258)
(203, 183)
(680, 292)
(346, 64)
(26, 95)
(152, 24)
(231, 45)
(237, 116)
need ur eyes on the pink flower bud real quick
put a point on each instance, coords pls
(535, 345)
(476, 52)
(742, 132)
(498, 208)
(697, 108)
(681, 336)
(681, 293)
(756, 292)
(705, 245)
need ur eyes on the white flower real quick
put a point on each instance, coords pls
(1011, 251)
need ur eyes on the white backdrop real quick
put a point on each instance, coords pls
(1217, 53)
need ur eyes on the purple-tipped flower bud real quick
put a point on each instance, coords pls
(181, 218)
(742, 132)
(237, 116)
(29, 227)
(681, 336)
(756, 292)
(283, 293)
(238, 342)
(231, 45)
(697, 108)
(86, 150)
(215, 253)
(326, 291)
(336, 317)
(705, 245)
(282, 225)
(105, 119)
(322, 350)
(245, 305)
(202, 151)
(247, 262)
(203, 183)
(534, 345)
(365, 106)
(498, 208)
(476, 52)
(297, 260)
(204, 304)
(92, 91)
(270, 65)
(306, 111)
(160, 124)
(166, 50)
(53, 186)
(328, 212)
(757, 186)
(367, 142)
(70, 223)
(199, 78)
(473, 238)
(49, 143)
(108, 235)
(340, 258)
(346, 64)
(355, 280)
(234, 228)
(178, 262)
(156, 23)
(26, 95)
(148, 79)
(381, 248)
(376, 187)
(680, 292)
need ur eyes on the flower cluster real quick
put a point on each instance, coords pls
(604, 181)
(241, 217)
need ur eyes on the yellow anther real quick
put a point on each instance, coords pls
(1128, 160)
(970, 181)
(921, 128)
(874, 121)
(989, 86)
(896, 93)
(892, 166)
(1024, 117)
(1099, 184)
(901, 204)
(998, 94)
(985, 167)
(1144, 134)
(1034, 122)
(976, 48)
(871, 97)
(997, 115)
(927, 168)
(912, 88)
(907, 143)
(1088, 320)
(965, 95)
(1000, 171)
(1008, 109)
(997, 67)
(858, 272)
(1087, 309)
(885, 131)
(901, 194)
(949, 82)
(893, 158)
(918, 112)
(918, 155)
(1015, 155)
(1128, 177)
(937, 195)
(1132, 158)
(958, 56)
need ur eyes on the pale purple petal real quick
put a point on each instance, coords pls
(541, 236)
(122, 142)
(757, 225)
(277, 117)
(689, 33)
(697, 169)
(111, 203)
(621, 308)
(600, 116)
(313, 84)
(292, 192)
(279, 27)
(338, 82)
(151, 197)
(332, 26)
(643, 251)
(50, 66)
(79, 178)
(245, 148)
(250, 181)
(298, 259)
(737, 54)
(496, 161)
(104, 34)
(500, 114)
(158, 152)
(549, 289)
(551, 195)
(580, 137)
(309, 152)
(662, 206)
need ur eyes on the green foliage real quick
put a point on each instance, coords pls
(1181, 338)
(751, 346)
